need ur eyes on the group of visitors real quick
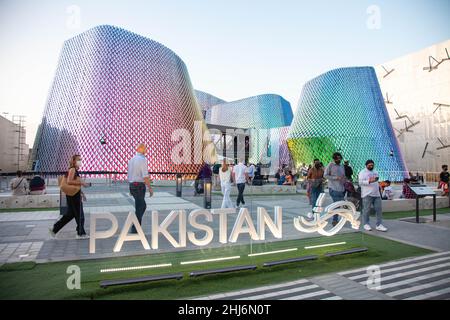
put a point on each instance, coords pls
(21, 187)
(284, 176)
(339, 177)
(340, 185)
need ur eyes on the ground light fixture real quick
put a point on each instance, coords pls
(179, 184)
(207, 194)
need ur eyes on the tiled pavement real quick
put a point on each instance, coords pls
(24, 237)
(419, 278)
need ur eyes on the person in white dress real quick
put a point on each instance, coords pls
(225, 184)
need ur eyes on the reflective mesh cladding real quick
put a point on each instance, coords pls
(344, 110)
(115, 85)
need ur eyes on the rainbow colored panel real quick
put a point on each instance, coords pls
(343, 110)
(118, 86)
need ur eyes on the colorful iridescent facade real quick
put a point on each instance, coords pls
(114, 89)
(267, 116)
(260, 112)
(206, 101)
(269, 145)
(343, 110)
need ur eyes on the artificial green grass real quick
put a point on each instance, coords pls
(412, 213)
(48, 281)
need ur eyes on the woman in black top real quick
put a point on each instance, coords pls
(74, 204)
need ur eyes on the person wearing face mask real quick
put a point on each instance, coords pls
(138, 179)
(444, 178)
(370, 194)
(335, 174)
(74, 204)
(315, 180)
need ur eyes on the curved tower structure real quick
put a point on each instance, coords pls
(343, 110)
(260, 112)
(112, 90)
(206, 101)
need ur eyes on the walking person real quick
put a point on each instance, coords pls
(240, 175)
(335, 174)
(74, 205)
(370, 194)
(138, 179)
(315, 180)
(19, 185)
(444, 178)
(251, 173)
(225, 184)
(205, 173)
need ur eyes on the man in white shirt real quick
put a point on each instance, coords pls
(240, 175)
(138, 179)
(370, 194)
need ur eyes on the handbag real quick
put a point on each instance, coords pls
(66, 188)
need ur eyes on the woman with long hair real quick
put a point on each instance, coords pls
(74, 204)
(225, 184)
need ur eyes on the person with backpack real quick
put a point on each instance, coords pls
(71, 185)
(19, 185)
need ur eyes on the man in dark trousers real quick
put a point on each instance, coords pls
(138, 178)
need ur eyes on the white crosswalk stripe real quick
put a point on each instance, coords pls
(418, 287)
(403, 267)
(429, 294)
(403, 274)
(307, 295)
(398, 262)
(279, 293)
(415, 279)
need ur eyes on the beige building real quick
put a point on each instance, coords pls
(416, 89)
(14, 150)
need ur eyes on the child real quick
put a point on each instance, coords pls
(388, 192)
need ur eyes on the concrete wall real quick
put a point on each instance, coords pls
(9, 141)
(412, 92)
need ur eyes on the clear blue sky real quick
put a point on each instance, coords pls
(233, 49)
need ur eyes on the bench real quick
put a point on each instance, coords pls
(109, 283)
(29, 201)
(344, 252)
(285, 261)
(221, 270)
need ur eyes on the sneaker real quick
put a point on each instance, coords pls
(367, 227)
(380, 227)
(52, 233)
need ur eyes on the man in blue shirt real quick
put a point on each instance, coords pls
(138, 178)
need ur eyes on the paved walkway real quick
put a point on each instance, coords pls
(17, 228)
(24, 237)
(420, 278)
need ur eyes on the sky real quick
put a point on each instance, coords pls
(233, 49)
